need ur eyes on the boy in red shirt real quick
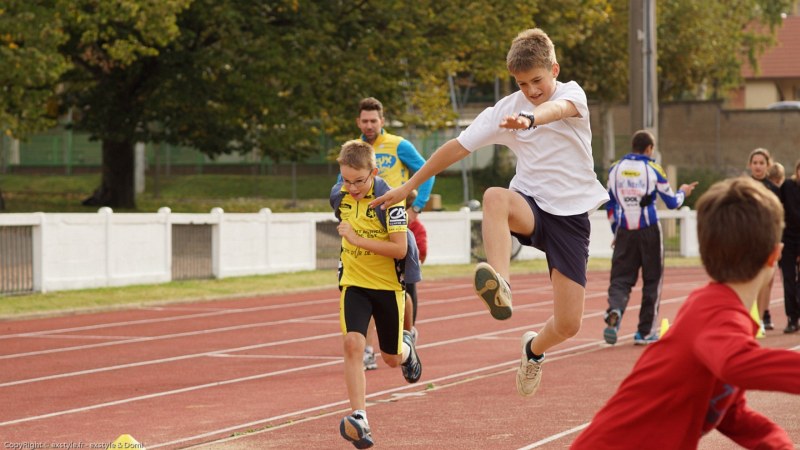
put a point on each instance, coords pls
(694, 378)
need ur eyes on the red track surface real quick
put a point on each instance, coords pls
(202, 375)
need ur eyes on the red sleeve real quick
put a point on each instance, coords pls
(421, 236)
(750, 429)
(728, 349)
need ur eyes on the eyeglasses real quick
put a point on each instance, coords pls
(357, 183)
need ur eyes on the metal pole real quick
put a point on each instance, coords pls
(454, 101)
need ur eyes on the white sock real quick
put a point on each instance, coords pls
(362, 413)
(406, 352)
(369, 349)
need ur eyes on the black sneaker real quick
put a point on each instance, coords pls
(412, 368)
(612, 320)
(356, 430)
(768, 321)
(792, 327)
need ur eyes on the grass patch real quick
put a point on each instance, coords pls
(89, 300)
(194, 193)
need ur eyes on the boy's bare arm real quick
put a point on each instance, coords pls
(450, 152)
(395, 247)
(545, 113)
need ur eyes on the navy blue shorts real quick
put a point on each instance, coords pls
(563, 239)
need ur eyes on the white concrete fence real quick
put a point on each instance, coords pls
(80, 250)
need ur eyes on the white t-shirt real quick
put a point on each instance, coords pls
(554, 161)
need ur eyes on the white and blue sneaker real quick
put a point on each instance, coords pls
(638, 339)
(612, 321)
(355, 429)
(412, 368)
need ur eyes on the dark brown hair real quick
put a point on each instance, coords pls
(641, 140)
(739, 222)
(370, 104)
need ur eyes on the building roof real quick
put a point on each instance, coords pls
(782, 60)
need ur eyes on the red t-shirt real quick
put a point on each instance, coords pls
(693, 380)
(421, 236)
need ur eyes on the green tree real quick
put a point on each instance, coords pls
(239, 76)
(31, 65)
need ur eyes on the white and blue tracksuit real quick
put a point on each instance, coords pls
(633, 184)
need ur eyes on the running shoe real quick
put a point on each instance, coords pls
(355, 429)
(493, 290)
(612, 320)
(768, 321)
(412, 368)
(370, 363)
(638, 339)
(414, 334)
(529, 374)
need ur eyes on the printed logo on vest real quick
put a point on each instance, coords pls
(397, 216)
(385, 161)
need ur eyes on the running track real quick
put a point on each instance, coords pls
(266, 372)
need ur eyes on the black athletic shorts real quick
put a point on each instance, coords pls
(358, 304)
(563, 239)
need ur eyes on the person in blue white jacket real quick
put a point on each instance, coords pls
(633, 183)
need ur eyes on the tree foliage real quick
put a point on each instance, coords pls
(273, 77)
(30, 34)
(701, 46)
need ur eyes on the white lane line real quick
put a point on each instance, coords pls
(212, 313)
(165, 336)
(165, 360)
(171, 318)
(290, 341)
(164, 393)
(565, 353)
(555, 437)
(225, 355)
(324, 317)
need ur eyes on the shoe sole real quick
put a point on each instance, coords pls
(610, 333)
(415, 356)
(524, 360)
(350, 430)
(487, 285)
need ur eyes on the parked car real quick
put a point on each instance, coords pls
(789, 104)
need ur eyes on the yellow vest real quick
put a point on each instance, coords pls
(390, 168)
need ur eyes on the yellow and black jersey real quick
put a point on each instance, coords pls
(360, 267)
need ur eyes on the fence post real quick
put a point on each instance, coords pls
(266, 217)
(216, 241)
(38, 252)
(689, 245)
(166, 212)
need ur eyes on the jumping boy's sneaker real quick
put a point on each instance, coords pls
(768, 321)
(493, 290)
(356, 430)
(529, 374)
(612, 320)
(370, 363)
(412, 368)
(414, 334)
(638, 339)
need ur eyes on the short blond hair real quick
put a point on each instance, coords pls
(358, 155)
(776, 173)
(739, 222)
(531, 49)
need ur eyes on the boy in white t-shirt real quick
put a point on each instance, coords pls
(546, 125)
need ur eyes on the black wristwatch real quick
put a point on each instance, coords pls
(529, 116)
(416, 209)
